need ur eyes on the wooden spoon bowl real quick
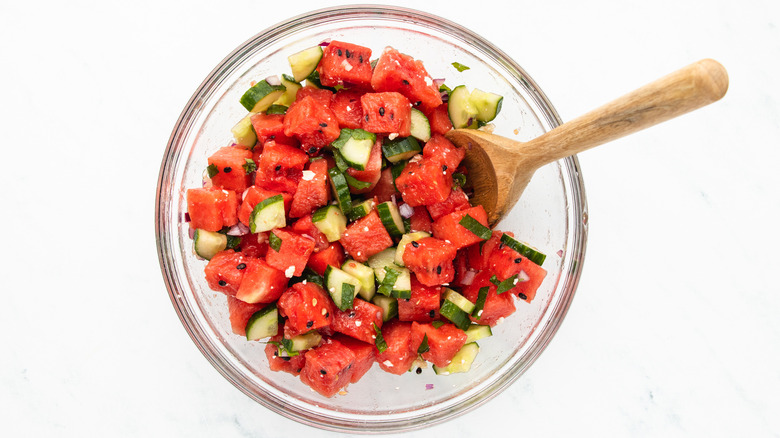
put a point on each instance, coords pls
(500, 168)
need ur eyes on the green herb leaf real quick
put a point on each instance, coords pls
(249, 165)
(232, 242)
(285, 346)
(212, 170)
(344, 135)
(495, 280)
(423, 346)
(459, 179)
(444, 89)
(475, 227)
(460, 67)
(274, 241)
(381, 345)
(309, 276)
(356, 183)
(437, 324)
(341, 163)
(507, 284)
(347, 296)
(386, 288)
(480, 304)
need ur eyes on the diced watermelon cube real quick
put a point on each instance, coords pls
(365, 355)
(423, 182)
(293, 252)
(443, 342)
(497, 306)
(328, 368)
(240, 312)
(224, 271)
(441, 150)
(305, 227)
(270, 127)
(399, 355)
(421, 220)
(261, 283)
(312, 123)
(289, 364)
(366, 237)
(456, 201)
(212, 209)
(231, 164)
(358, 322)
(253, 196)
(313, 190)
(280, 167)
(448, 227)
(395, 71)
(478, 255)
(439, 119)
(386, 113)
(306, 307)
(345, 104)
(505, 262)
(345, 64)
(423, 306)
(332, 255)
(384, 189)
(254, 245)
(431, 260)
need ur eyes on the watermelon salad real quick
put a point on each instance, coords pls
(338, 222)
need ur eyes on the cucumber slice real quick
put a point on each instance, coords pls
(397, 283)
(258, 98)
(330, 221)
(524, 250)
(421, 127)
(303, 63)
(461, 362)
(263, 324)
(459, 300)
(365, 276)
(460, 109)
(291, 90)
(276, 109)
(391, 218)
(267, 215)
(381, 259)
(360, 210)
(208, 243)
(244, 133)
(455, 314)
(400, 149)
(389, 306)
(476, 332)
(343, 287)
(405, 240)
(340, 189)
(486, 104)
(396, 170)
(305, 341)
(355, 147)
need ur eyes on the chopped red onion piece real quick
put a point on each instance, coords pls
(438, 82)
(191, 232)
(238, 229)
(428, 386)
(560, 253)
(273, 80)
(187, 217)
(206, 180)
(325, 43)
(468, 277)
(523, 276)
(406, 211)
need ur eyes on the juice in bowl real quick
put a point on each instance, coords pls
(550, 217)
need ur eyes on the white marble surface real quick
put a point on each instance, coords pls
(674, 330)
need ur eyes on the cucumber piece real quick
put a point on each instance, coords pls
(340, 189)
(303, 63)
(400, 149)
(361, 209)
(267, 215)
(260, 96)
(405, 240)
(455, 314)
(396, 170)
(305, 341)
(486, 104)
(263, 324)
(208, 243)
(421, 127)
(276, 109)
(356, 148)
(383, 262)
(381, 259)
(459, 300)
(244, 133)
(476, 332)
(343, 287)
(524, 250)
(330, 221)
(291, 90)
(391, 218)
(389, 306)
(460, 109)
(365, 276)
(461, 362)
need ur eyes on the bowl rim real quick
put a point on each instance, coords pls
(574, 188)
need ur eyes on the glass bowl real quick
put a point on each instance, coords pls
(551, 215)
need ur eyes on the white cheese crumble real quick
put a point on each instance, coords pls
(428, 81)
(358, 323)
(392, 135)
(347, 66)
(289, 272)
(388, 364)
(308, 175)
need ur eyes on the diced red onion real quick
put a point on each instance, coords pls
(406, 211)
(206, 180)
(523, 276)
(438, 82)
(273, 80)
(187, 217)
(560, 253)
(468, 277)
(428, 386)
(238, 229)
(325, 43)
(191, 232)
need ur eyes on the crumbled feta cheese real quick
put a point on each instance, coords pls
(388, 364)
(289, 272)
(349, 108)
(365, 229)
(392, 135)
(500, 320)
(303, 282)
(358, 323)
(346, 65)
(428, 81)
(308, 175)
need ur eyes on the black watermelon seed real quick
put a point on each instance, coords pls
(323, 372)
(324, 125)
(327, 314)
(415, 244)
(278, 167)
(312, 150)
(405, 82)
(309, 324)
(366, 117)
(222, 283)
(518, 260)
(227, 169)
(241, 266)
(360, 59)
(444, 167)
(522, 296)
(381, 111)
(418, 370)
(432, 313)
(339, 52)
(286, 358)
(392, 116)
(349, 55)
(438, 269)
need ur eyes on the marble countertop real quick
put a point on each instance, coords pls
(674, 330)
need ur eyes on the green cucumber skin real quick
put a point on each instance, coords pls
(524, 250)
(400, 149)
(258, 93)
(455, 314)
(263, 324)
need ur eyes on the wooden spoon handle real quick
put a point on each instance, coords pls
(687, 89)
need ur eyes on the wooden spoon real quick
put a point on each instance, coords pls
(500, 168)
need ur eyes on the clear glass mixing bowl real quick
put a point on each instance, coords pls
(551, 215)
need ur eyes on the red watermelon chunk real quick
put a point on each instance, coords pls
(456, 201)
(366, 237)
(371, 173)
(270, 127)
(323, 96)
(345, 104)
(504, 262)
(385, 188)
(230, 164)
(253, 196)
(305, 227)
(240, 312)
(443, 342)
(395, 71)
(431, 260)
(261, 283)
(439, 119)
(365, 355)
(478, 255)
(312, 123)
(399, 355)
(254, 245)
(306, 307)
(293, 253)
(313, 190)
(212, 209)
(332, 255)
(421, 220)
(280, 167)
(289, 364)
(328, 368)
(448, 227)
(497, 306)
(358, 322)
(423, 306)
(442, 151)
(423, 182)
(345, 64)
(224, 271)
(386, 113)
